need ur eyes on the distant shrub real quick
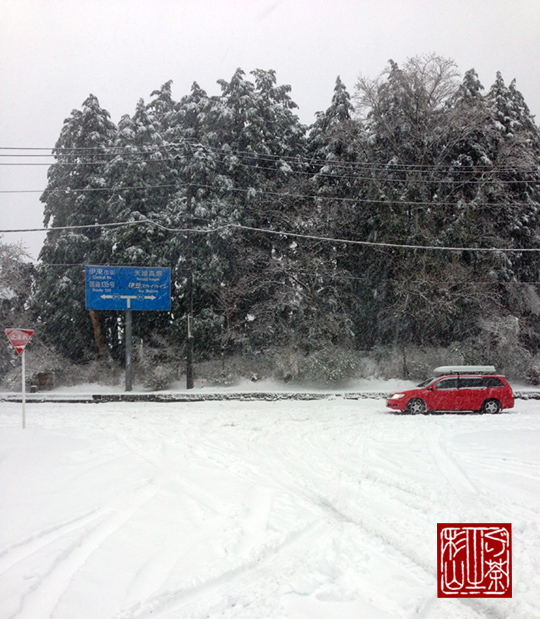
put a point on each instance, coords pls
(329, 365)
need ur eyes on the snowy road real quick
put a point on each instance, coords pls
(288, 509)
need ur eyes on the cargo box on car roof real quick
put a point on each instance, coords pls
(464, 369)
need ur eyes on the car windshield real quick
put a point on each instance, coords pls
(426, 382)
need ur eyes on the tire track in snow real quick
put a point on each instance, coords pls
(310, 480)
(204, 594)
(369, 479)
(325, 507)
(364, 504)
(255, 469)
(457, 479)
(43, 596)
(468, 492)
(168, 466)
(19, 551)
(393, 537)
(328, 515)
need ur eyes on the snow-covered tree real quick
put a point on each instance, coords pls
(327, 135)
(513, 196)
(412, 131)
(240, 147)
(76, 195)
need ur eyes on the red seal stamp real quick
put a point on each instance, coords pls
(474, 560)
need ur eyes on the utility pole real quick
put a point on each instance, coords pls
(189, 261)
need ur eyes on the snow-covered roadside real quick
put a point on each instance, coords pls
(241, 389)
(285, 509)
(201, 386)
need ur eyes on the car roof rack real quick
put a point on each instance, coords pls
(464, 369)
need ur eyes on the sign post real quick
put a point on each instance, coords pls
(127, 289)
(19, 338)
(129, 348)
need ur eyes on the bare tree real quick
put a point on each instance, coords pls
(15, 291)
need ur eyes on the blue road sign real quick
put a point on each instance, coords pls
(128, 288)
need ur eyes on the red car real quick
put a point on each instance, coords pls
(457, 388)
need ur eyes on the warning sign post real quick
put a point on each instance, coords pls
(19, 338)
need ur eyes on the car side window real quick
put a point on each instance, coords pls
(467, 383)
(447, 383)
(492, 381)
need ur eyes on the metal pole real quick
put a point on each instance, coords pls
(189, 341)
(129, 327)
(23, 392)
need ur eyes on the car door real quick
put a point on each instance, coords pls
(442, 395)
(472, 392)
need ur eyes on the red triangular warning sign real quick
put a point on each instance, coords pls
(19, 338)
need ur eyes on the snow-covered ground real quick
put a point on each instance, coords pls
(288, 509)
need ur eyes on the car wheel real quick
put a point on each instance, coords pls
(416, 406)
(491, 407)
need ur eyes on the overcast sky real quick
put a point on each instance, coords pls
(54, 53)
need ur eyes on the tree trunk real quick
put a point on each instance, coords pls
(98, 336)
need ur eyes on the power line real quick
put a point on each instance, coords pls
(78, 227)
(284, 233)
(259, 156)
(336, 177)
(383, 244)
(351, 169)
(259, 192)
(91, 189)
